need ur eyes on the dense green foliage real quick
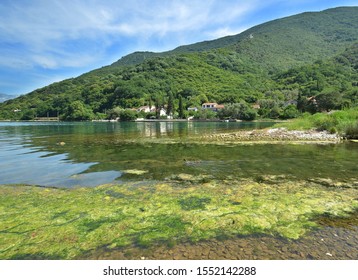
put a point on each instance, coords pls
(280, 43)
(309, 60)
(239, 111)
(333, 83)
(344, 122)
(127, 115)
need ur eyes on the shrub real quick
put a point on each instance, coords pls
(290, 112)
(351, 131)
(324, 121)
(240, 111)
(127, 115)
(344, 122)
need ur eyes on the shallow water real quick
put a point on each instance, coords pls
(336, 240)
(89, 154)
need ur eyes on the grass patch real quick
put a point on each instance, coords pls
(351, 130)
(344, 122)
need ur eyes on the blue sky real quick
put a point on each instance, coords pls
(44, 41)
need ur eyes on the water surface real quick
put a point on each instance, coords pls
(89, 154)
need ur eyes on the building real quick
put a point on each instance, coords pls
(256, 106)
(152, 109)
(195, 109)
(212, 106)
(146, 109)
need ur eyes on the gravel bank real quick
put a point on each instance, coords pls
(274, 135)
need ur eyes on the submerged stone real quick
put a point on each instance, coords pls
(135, 171)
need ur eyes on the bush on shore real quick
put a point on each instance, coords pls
(344, 122)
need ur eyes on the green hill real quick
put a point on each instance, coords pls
(261, 65)
(295, 39)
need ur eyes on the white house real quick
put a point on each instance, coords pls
(147, 109)
(195, 109)
(212, 106)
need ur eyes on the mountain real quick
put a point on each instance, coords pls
(295, 39)
(255, 66)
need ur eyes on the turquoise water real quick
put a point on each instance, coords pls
(89, 154)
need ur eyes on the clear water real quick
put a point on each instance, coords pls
(89, 154)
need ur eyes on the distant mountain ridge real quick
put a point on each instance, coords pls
(317, 28)
(249, 67)
(4, 97)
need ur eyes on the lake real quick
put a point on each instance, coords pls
(90, 154)
(147, 190)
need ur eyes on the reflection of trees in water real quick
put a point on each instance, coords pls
(163, 149)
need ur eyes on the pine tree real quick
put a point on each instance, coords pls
(170, 106)
(181, 109)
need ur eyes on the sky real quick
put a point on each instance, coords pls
(44, 41)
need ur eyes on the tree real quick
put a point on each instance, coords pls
(205, 115)
(275, 112)
(114, 113)
(181, 108)
(290, 112)
(240, 111)
(170, 106)
(28, 115)
(127, 115)
(328, 101)
(301, 102)
(269, 109)
(158, 106)
(77, 111)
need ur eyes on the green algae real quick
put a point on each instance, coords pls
(67, 223)
(194, 202)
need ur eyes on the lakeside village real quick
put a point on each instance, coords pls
(208, 111)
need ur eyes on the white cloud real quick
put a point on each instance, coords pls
(225, 31)
(46, 62)
(82, 34)
(75, 33)
(41, 23)
(78, 33)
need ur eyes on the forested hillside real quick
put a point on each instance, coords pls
(306, 62)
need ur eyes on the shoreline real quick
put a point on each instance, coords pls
(273, 135)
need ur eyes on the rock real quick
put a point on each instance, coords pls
(135, 171)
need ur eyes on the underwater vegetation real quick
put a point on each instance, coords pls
(51, 223)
